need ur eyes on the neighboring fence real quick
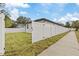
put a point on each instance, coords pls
(2, 34)
(10, 30)
(43, 30)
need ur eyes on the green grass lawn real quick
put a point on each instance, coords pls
(17, 42)
(21, 44)
(37, 47)
(77, 35)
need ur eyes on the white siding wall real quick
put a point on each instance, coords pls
(2, 34)
(45, 30)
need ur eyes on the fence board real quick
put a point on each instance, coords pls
(11, 30)
(2, 34)
(45, 30)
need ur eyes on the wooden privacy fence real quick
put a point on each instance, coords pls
(2, 34)
(45, 30)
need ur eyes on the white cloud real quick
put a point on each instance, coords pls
(23, 5)
(76, 14)
(14, 11)
(69, 17)
(14, 14)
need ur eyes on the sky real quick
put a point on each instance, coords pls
(58, 12)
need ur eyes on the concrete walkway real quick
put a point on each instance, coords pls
(67, 46)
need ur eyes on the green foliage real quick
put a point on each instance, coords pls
(77, 35)
(75, 24)
(23, 20)
(20, 20)
(8, 22)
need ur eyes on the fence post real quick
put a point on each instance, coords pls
(2, 34)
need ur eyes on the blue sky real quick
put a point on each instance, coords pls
(58, 12)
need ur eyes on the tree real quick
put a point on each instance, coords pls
(14, 24)
(23, 20)
(67, 25)
(75, 24)
(8, 22)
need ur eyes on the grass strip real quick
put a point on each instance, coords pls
(77, 35)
